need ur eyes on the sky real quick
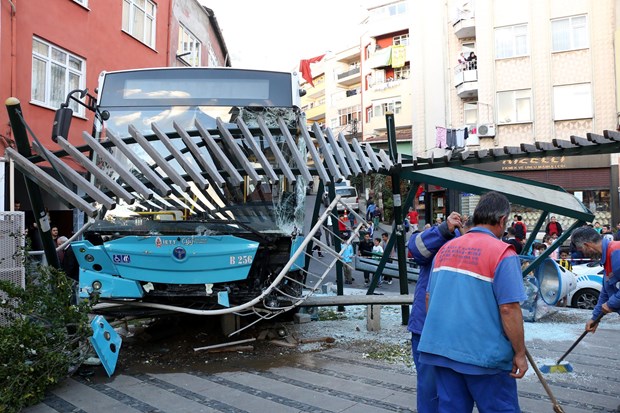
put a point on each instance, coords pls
(277, 34)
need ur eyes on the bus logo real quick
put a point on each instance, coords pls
(179, 253)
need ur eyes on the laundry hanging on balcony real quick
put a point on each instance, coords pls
(450, 138)
(399, 56)
(381, 58)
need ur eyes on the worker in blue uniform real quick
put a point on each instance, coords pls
(592, 244)
(473, 333)
(423, 246)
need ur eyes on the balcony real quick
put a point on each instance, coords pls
(350, 77)
(464, 24)
(316, 112)
(466, 80)
(388, 84)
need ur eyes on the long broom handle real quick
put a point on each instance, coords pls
(556, 406)
(596, 320)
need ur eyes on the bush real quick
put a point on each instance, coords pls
(44, 338)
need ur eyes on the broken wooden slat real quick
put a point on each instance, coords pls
(360, 155)
(78, 180)
(234, 176)
(318, 162)
(277, 153)
(529, 148)
(342, 163)
(349, 155)
(158, 184)
(50, 184)
(235, 149)
(612, 135)
(545, 146)
(595, 138)
(103, 179)
(562, 144)
(127, 176)
(301, 163)
(232, 343)
(386, 160)
(158, 158)
(249, 138)
(206, 162)
(377, 165)
(183, 162)
(328, 156)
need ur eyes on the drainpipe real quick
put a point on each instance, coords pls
(169, 40)
(13, 49)
(13, 92)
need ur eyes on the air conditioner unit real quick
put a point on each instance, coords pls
(486, 129)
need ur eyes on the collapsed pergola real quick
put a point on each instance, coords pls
(229, 156)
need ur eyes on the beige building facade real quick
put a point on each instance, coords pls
(543, 70)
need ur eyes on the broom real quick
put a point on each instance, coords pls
(566, 367)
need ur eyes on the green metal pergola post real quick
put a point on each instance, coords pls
(398, 213)
(34, 192)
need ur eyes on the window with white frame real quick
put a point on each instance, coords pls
(394, 9)
(402, 72)
(379, 76)
(470, 118)
(55, 72)
(572, 101)
(189, 47)
(403, 40)
(139, 20)
(569, 33)
(368, 113)
(511, 41)
(470, 113)
(381, 107)
(514, 106)
(347, 115)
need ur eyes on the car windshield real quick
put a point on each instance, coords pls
(346, 192)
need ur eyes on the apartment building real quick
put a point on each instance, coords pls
(543, 69)
(49, 48)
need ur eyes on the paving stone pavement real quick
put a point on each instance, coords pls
(333, 380)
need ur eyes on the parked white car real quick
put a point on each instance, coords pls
(348, 196)
(589, 284)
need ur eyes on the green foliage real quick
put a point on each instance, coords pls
(42, 337)
(327, 314)
(392, 353)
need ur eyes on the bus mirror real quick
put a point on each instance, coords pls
(62, 123)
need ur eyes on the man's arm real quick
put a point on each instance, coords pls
(424, 245)
(512, 322)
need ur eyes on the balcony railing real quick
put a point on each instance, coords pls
(466, 79)
(351, 72)
(388, 84)
(464, 24)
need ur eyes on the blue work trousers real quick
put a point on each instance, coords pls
(427, 399)
(492, 393)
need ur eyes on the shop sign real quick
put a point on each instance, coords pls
(532, 164)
